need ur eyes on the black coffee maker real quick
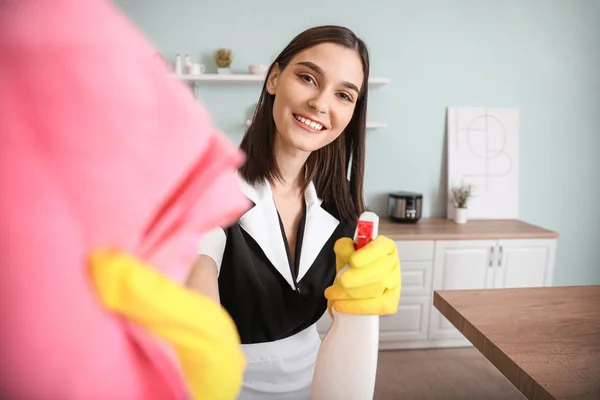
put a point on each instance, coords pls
(405, 206)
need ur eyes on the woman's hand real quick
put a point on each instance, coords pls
(202, 333)
(371, 285)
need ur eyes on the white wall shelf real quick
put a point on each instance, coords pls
(247, 78)
(370, 125)
(377, 125)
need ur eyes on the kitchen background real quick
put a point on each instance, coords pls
(540, 56)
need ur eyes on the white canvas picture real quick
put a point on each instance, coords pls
(483, 150)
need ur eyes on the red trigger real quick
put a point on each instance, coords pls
(364, 234)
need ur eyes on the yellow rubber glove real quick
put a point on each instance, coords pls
(371, 285)
(202, 334)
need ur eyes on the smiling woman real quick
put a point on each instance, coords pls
(318, 81)
(270, 270)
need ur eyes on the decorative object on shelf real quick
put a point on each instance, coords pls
(197, 69)
(188, 64)
(459, 198)
(223, 58)
(178, 65)
(483, 149)
(257, 69)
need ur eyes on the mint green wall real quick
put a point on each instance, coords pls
(542, 57)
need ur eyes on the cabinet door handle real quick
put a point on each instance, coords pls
(491, 256)
(500, 257)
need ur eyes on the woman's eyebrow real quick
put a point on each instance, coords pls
(312, 66)
(319, 70)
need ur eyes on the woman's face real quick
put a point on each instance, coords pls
(315, 95)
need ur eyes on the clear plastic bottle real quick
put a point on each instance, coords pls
(346, 365)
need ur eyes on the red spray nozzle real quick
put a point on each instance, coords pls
(364, 234)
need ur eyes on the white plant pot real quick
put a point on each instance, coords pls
(223, 71)
(460, 215)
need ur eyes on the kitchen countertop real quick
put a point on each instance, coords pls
(543, 340)
(447, 229)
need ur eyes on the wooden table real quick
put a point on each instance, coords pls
(546, 341)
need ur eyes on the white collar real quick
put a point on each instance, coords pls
(261, 222)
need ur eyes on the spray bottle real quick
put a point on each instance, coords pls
(347, 360)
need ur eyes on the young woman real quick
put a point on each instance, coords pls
(274, 270)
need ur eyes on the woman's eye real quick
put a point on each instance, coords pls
(345, 96)
(307, 78)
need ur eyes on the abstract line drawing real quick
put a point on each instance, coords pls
(483, 151)
(489, 153)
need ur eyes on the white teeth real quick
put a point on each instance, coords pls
(308, 122)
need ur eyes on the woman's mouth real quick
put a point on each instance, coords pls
(308, 124)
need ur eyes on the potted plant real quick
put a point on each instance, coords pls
(223, 58)
(460, 198)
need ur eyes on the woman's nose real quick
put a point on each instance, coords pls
(319, 104)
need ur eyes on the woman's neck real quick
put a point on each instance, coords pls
(291, 164)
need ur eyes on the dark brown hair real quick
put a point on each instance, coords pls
(328, 166)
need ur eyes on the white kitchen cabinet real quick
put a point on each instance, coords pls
(408, 327)
(429, 265)
(459, 264)
(487, 264)
(524, 263)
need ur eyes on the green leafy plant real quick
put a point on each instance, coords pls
(223, 58)
(460, 195)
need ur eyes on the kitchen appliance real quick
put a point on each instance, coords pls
(405, 206)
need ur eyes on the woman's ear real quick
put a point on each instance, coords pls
(272, 79)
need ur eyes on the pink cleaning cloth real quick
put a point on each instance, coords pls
(99, 147)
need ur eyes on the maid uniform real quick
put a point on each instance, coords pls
(274, 300)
